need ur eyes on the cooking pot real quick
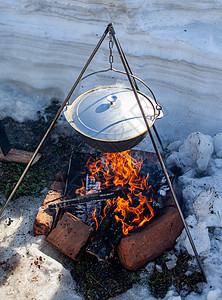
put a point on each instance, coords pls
(109, 119)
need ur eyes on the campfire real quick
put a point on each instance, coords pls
(118, 199)
(134, 207)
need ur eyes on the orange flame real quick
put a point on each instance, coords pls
(81, 190)
(94, 218)
(120, 169)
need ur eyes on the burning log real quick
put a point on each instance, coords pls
(129, 197)
(113, 226)
(83, 206)
(107, 236)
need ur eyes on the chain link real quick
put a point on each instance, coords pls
(111, 51)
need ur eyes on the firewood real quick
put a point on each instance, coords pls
(107, 236)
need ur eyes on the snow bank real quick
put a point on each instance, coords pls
(174, 46)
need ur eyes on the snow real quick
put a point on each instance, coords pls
(196, 150)
(172, 261)
(217, 140)
(216, 294)
(21, 102)
(29, 268)
(175, 47)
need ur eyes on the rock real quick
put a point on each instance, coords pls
(152, 240)
(159, 268)
(171, 264)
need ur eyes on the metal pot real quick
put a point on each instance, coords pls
(109, 119)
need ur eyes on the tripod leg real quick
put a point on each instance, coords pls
(56, 118)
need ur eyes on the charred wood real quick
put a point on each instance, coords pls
(107, 236)
(95, 197)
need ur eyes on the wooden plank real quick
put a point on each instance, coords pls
(19, 156)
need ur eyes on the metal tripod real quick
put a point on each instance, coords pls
(131, 78)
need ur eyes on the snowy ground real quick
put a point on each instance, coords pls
(31, 269)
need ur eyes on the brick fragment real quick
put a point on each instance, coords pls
(61, 176)
(43, 222)
(44, 219)
(57, 186)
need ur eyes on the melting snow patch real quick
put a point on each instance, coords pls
(214, 295)
(217, 140)
(26, 271)
(195, 153)
(199, 233)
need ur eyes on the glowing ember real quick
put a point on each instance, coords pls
(121, 170)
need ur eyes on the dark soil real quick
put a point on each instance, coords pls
(184, 284)
(102, 279)
(95, 279)
(55, 153)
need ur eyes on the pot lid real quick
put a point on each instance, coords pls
(111, 113)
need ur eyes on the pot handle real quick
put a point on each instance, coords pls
(112, 100)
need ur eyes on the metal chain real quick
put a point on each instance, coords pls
(111, 51)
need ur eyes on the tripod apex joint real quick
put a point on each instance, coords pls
(109, 27)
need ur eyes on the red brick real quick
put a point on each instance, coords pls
(151, 241)
(70, 235)
(58, 186)
(61, 176)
